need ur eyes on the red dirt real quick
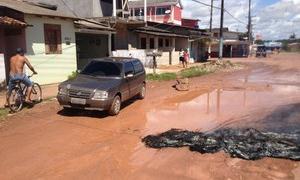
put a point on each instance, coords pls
(45, 143)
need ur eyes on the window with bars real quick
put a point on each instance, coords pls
(52, 33)
(161, 10)
(143, 43)
(152, 43)
(160, 42)
(167, 42)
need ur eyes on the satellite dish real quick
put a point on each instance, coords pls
(168, 11)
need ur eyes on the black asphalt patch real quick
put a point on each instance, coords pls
(245, 143)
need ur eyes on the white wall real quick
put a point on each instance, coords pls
(51, 68)
(231, 36)
(2, 68)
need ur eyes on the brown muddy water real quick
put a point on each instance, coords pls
(266, 99)
(247, 103)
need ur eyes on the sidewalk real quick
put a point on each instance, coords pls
(47, 90)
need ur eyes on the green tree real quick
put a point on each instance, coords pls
(259, 41)
(292, 36)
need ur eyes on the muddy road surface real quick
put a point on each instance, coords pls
(47, 143)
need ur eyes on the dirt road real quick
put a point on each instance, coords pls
(46, 143)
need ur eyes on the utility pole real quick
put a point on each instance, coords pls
(210, 28)
(114, 8)
(145, 11)
(249, 28)
(221, 32)
(249, 24)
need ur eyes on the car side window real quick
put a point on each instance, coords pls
(138, 66)
(128, 68)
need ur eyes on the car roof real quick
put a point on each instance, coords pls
(115, 59)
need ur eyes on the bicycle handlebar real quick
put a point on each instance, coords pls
(31, 75)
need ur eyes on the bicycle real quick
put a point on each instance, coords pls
(16, 97)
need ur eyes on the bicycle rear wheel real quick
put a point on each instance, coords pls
(36, 94)
(15, 100)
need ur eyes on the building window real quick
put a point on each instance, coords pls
(52, 35)
(161, 10)
(139, 12)
(167, 42)
(136, 12)
(151, 43)
(160, 42)
(143, 43)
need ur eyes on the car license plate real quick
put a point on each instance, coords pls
(78, 101)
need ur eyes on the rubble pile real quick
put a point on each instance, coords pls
(182, 84)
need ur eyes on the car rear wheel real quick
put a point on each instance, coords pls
(142, 92)
(115, 106)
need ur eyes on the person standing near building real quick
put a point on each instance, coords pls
(181, 57)
(186, 58)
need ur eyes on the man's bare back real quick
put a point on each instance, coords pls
(17, 63)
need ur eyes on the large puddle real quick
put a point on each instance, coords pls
(250, 120)
(221, 107)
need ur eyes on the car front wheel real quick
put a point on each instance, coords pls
(115, 106)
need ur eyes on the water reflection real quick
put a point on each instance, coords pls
(219, 106)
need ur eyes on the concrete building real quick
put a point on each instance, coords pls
(164, 38)
(234, 44)
(55, 36)
(47, 36)
(161, 11)
(188, 22)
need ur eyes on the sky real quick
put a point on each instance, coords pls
(272, 19)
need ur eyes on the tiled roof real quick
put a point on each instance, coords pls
(4, 20)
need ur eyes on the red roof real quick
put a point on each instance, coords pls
(8, 21)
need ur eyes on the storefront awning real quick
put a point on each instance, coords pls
(90, 26)
(157, 32)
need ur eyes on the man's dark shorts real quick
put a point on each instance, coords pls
(18, 77)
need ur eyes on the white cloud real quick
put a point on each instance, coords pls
(275, 21)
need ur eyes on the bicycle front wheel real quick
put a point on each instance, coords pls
(36, 93)
(15, 100)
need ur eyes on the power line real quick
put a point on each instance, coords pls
(216, 7)
(234, 17)
(205, 4)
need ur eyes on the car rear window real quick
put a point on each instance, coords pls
(138, 66)
(103, 69)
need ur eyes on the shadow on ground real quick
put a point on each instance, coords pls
(92, 114)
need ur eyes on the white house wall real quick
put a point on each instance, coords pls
(51, 68)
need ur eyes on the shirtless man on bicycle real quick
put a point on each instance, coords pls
(17, 63)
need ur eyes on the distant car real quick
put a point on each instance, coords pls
(261, 51)
(103, 85)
